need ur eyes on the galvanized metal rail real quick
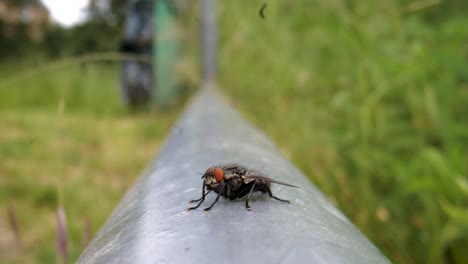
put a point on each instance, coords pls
(151, 224)
(208, 40)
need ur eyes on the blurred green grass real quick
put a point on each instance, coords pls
(370, 100)
(67, 132)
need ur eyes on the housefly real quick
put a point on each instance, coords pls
(261, 12)
(235, 181)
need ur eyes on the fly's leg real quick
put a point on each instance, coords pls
(248, 198)
(201, 199)
(216, 200)
(197, 200)
(271, 195)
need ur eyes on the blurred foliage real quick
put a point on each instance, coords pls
(11, 47)
(369, 99)
(91, 36)
(102, 31)
(21, 2)
(65, 139)
(108, 11)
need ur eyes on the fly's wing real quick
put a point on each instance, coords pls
(258, 175)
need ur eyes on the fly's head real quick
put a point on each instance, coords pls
(213, 177)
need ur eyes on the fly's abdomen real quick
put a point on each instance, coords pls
(262, 186)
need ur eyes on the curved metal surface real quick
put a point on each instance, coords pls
(208, 39)
(151, 224)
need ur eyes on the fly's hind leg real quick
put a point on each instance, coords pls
(272, 196)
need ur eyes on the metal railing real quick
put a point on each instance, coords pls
(151, 224)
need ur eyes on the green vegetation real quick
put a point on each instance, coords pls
(367, 97)
(370, 99)
(67, 132)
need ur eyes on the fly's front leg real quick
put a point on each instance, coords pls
(221, 190)
(271, 195)
(248, 198)
(197, 200)
(201, 199)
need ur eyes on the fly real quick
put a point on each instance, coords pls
(261, 12)
(234, 181)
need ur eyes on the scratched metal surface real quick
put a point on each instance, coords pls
(151, 224)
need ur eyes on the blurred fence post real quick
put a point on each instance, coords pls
(165, 52)
(137, 79)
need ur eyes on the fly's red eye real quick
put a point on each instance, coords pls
(219, 174)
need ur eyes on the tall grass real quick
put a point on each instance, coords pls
(90, 153)
(369, 99)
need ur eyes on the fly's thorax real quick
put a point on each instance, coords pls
(234, 183)
(233, 170)
(230, 175)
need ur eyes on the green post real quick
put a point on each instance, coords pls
(165, 52)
